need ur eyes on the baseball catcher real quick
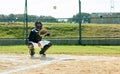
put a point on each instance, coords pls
(35, 39)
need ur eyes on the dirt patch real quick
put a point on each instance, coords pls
(59, 64)
(82, 67)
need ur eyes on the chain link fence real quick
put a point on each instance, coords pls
(96, 28)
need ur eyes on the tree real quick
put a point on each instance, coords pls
(3, 18)
(11, 17)
(85, 18)
(21, 18)
(47, 19)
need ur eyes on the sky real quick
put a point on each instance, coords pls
(64, 8)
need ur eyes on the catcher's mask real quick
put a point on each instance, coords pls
(38, 25)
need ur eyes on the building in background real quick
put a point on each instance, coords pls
(105, 18)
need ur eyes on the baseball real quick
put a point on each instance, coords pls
(54, 7)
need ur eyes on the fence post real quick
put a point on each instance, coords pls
(80, 27)
(26, 22)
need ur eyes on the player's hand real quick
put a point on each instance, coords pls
(47, 34)
(39, 44)
(44, 35)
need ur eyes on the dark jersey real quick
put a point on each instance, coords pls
(34, 36)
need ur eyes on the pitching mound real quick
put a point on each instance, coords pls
(58, 64)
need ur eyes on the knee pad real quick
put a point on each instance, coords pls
(50, 44)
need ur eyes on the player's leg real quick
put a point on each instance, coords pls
(31, 49)
(43, 50)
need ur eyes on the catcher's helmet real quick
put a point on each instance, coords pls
(38, 22)
(38, 25)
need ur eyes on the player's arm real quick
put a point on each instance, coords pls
(31, 38)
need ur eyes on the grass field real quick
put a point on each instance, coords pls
(62, 30)
(65, 30)
(64, 49)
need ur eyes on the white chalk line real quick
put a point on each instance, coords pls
(45, 62)
(29, 67)
(61, 58)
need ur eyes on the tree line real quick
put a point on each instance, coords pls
(85, 18)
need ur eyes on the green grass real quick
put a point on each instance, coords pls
(13, 49)
(57, 30)
(62, 30)
(64, 49)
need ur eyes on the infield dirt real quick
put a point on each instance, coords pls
(59, 64)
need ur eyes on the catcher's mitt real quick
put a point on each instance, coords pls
(43, 32)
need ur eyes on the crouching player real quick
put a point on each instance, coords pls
(35, 40)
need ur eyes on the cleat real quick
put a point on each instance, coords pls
(43, 54)
(32, 56)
